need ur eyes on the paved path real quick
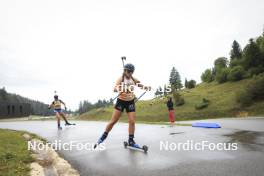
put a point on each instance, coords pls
(115, 160)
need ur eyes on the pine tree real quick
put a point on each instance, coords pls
(178, 81)
(158, 92)
(175, 79)
(165, 90)
(236, 52)
(3, 94)
(252, 56)
(186, 83)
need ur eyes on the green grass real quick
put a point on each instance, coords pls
(14, 156)
(222, 104)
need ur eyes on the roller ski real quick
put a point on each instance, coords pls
(69, 124)
(133, 145)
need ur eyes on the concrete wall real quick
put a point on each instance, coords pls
(9, 109)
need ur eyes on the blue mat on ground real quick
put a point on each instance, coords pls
(206, 125)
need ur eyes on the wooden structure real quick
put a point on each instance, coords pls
(11, 109)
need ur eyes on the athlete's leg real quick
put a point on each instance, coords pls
(58, 120)
(119, 107)
(131, 127)
(115, 117)
(172, 117)
(64, 117)
(131, 122)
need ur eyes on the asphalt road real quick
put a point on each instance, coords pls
(247, 160)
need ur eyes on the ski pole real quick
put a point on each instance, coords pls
(136, 99)
(116, 97)
(122, 58)
(140, 96)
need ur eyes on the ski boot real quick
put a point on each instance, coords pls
(101, 139)
(132, 143)
(68, 124)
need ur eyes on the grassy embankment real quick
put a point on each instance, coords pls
(222, 104)
(14, 155)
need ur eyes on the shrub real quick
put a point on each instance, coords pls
(205, 100)
(236, 62)
(179, 100)
(244, 98)
(221, 76)
(220, 63)
(191, 84)
(236, 73)
(253, 92)
(204, 104)
(255, 70)
(256, 88)
(207, 76)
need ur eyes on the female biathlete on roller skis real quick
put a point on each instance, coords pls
(56, 105)
(125, 100)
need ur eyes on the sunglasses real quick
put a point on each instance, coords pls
(129, 71)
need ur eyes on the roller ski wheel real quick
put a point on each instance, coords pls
(125, 144)
(145, 148)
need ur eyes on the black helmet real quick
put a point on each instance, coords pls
(56, 96)
(129, 67)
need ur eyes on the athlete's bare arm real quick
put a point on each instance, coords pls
(63, 104)
(51, 105)
(118, 86)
